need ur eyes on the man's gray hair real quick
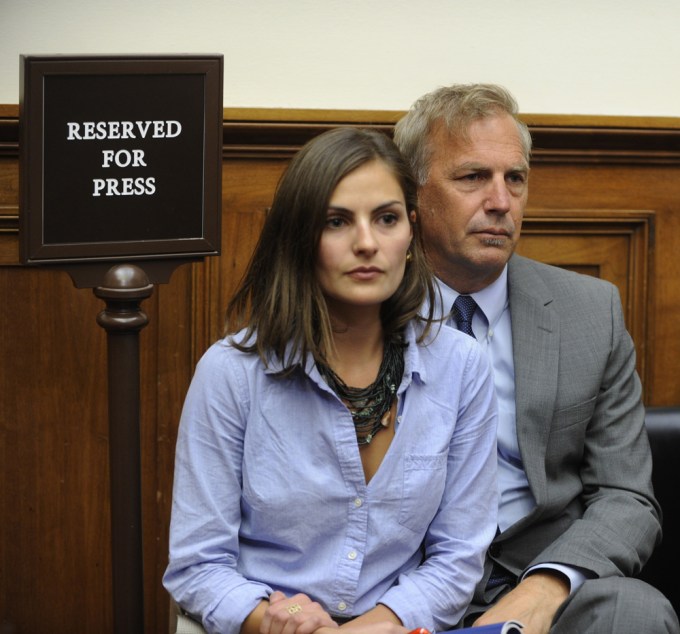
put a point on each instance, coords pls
(456, 107)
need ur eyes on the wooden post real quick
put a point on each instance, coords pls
(123, 289)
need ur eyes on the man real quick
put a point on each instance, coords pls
(577, 516)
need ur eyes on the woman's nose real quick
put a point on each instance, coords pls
(364, 239)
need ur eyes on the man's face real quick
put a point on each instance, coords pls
(472, 205)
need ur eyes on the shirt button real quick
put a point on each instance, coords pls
(358, 502)
(342, 606)
(352, 554)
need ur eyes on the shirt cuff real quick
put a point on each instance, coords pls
(575, 576)
(232, 610)
(409, 606)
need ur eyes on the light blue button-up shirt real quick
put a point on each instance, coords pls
(270, 493)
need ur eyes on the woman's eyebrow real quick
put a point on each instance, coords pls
(389, 203)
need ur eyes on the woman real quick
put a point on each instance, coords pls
(301, 503)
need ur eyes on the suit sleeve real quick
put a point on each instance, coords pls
(620, 523)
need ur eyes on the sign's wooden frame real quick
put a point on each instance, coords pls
(61, 224)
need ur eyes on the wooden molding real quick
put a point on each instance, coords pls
(9, 218)
(278, 133)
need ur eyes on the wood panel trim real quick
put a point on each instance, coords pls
(9, 218)
(557, 138)
(271, 139)
(392, 116)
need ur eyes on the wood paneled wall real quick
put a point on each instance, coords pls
(605, 199)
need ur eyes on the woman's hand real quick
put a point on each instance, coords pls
(294, 615)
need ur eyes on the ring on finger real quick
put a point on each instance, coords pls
(294, 609)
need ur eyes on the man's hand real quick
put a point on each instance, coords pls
(294, 615)
(533, 602)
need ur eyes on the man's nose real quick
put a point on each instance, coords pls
(499, 196)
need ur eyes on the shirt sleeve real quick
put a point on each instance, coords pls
(201, 575)
(435, 594)
(574, 576)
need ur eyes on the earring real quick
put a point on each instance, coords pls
(409, 255)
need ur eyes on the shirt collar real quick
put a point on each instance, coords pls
(491, 300)
(413, 364)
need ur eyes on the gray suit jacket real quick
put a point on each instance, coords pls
(580, 426)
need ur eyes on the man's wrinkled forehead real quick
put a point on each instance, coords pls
(447, 137)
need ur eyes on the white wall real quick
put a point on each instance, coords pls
(557, 56)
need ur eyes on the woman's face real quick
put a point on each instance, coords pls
(363, 246)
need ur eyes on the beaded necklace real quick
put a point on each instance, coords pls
(370, 406)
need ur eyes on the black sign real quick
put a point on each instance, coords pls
(120, 157)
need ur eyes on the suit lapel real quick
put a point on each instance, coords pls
(535, 340)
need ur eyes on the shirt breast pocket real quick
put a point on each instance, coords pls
(423, 487)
